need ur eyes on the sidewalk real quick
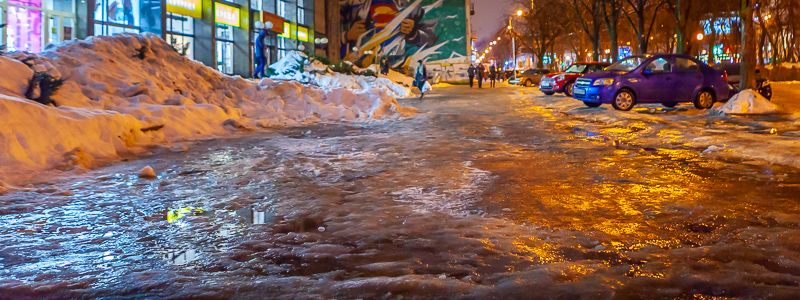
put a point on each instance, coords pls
(787, 95)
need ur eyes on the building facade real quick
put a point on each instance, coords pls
(220, 34)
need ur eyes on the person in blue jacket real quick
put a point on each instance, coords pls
(260, 56)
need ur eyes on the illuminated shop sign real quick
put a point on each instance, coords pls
(226, 14)
(191, 8)
(295, 32)
(277, 21)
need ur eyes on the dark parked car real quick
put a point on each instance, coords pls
(667, 79)
(530, 77)
(562, 82)
(732, 74)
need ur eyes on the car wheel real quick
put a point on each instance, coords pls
(593, 104)
(669, 104)
(704, 100)
(549, 93)
(624, 100)
(528, 82)
(568, 89)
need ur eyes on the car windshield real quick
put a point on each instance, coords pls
(626, 65)
(576, 69)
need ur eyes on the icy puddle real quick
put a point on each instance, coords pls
(481, 195)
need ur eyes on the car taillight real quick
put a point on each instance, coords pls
(725, 75)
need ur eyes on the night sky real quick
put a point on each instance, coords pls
(489, 16)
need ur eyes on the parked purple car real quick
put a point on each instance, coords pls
(666, 79)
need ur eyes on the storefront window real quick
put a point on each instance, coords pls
(117, 12)
(24, 28)
(224, 48)
(180, 34)
(2, 21)
(117, 16)
(59, 28)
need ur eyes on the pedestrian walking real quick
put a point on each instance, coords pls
(260, 56)
(471, 74)
(492, 75)
(421, 78)
(481, 75)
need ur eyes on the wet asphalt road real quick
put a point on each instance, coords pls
(482, 195)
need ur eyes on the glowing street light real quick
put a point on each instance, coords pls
(519, 13)
(700, 36)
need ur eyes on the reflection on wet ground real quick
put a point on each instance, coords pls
(483, 194)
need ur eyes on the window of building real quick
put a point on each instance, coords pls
(31, 24)
(116, 16)
(180, 34)
(255, 5)
(224, 47)
(2, 21)
(25, 22)
(281, 9)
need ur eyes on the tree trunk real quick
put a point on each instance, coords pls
(747, 48)
(640, 28)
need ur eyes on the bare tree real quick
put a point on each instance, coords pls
(588, 14)
(642, 22)
(682, 13)
(612, 9)
(748, 47)
(541, 30)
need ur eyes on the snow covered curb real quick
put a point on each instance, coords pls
(125, 92)
(717, 135)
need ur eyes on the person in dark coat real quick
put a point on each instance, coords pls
(471, 74)
(420, 77)
(384, 66)
(492, 74)
(260, 56)
(481, 75)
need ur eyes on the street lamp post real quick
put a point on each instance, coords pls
(514, 41)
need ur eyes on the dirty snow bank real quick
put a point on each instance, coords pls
(748, 102)
(124, 92)
(299, 67)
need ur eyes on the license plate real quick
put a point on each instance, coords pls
(579, 91)
(545, 84)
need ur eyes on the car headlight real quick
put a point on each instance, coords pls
(604, 81)
(559, 77)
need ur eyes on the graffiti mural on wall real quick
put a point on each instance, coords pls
(403, 31)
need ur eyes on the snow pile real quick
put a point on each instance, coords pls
(299, 67)
(124, 92)
(400, 78)
(748, 102)
(16, 76)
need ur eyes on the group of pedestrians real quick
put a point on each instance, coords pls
(493, 74)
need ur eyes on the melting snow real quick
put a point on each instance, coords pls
(124, 92)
